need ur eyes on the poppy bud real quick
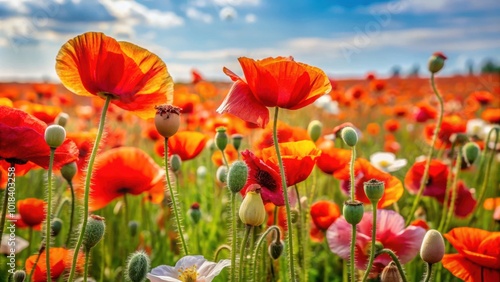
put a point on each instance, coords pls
(294, 215)
(221, 173)
(374, 190)
(68, 171)
(350, 136)
(221, 138)
(390, 273)
(314, 129)
(252, 211)
(56, 226)
(62, 119)
(195, 213)
(19, 276)
(175, 163)
(137, 267)
(432, 249)
(201, 172)
(132, 227)
(470, 152)
(436, 62)
(275, 249)
(94, 231)
(237, 176)
(55, 135)
(353, 211)
(237, 140)
(167, 120)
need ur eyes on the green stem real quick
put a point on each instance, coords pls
(444, 210)
(173, 197)
(353, 245)
(241, 274)
(351, 170)
(289, 244)
(234, 236)
(219, 249)
(428, 274)
(259, 243)
(86, 266)
(5, 198)
(48, 216)
(396, 261)
(374, 239)
(72, 213)
(458, 163)
(429, 155)
(34, 265)
(88, 177)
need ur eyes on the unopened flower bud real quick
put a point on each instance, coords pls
(195, 213)
(62, 119)
(436, 62)
(237, 176)
(19, 276)
(132, 227)
(56, 226)
(137, 267)
(374, 190)
(221, 138)
(470, 152)
(175, 163)
(390, 273)
(432, 249)
(294, 215)
(252, 211)
(55, 135)
(221, 174)
(94, 231)
(353, 212)
(237, 140)
(350, 136)
(167, 120)
(68, 171)
(275, 249)
(314, 130)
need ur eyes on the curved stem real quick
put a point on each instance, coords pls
(219, 249)
(458, 163)
(234, 237)
(88, 177)
(173, 197)
(353, 245)
(10, 170)
(374, 239)
(34, 265)
(429, 155)
(72, 213)
(86, 266)
(289, 244)
(48, 216)
(428, 274)
(396, 261)
(257, 246)
(241, 274)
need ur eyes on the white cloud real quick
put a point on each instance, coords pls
(431, 6)
(250, 18)
(228, 13)
(196, 14)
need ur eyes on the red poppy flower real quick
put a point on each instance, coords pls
(196, 76)
(32, 211)
(464, 202)
(324, 213)
(491, 115)
(45, 90)
(93, 64)
(355, 93)
(451, 124)
(124, 170)
(22, 139)
(332, 159)
(59, 261)
(373, 128)
(281, 217)
(483, 97)
(84, 142)
(424, 112)
(272, 82)
(187, 144)
(436, 184)
(391, 125)
(478, 257)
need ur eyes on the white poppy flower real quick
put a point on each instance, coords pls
(475, 127)
(387, 162)
(16, 243)
(188, 268)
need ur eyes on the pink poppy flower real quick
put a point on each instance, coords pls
(391, 233)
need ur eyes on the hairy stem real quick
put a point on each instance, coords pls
(48, 216)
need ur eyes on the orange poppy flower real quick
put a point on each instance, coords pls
(373, 128)
(491, 203)
(32, 211)
(270, 207)
(124, 170)
(332, 159)
(150, 132)
(93, 64)
(6, 102)
(206, 89)
(482, 97)
(491, 115)
(400, 111)
(478, 257)
(84, 142)
(420, 223)
(391, 125)
(451, 124)
(45, 90)
(365, 171)
(355, 93)
(286, 133)
(377, 85)
(22, 139)
(230, 152)
(390, 144)
(324, 213)
(187, 144)
(59, 261)
(272, 82)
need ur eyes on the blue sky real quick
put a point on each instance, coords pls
(344, 38)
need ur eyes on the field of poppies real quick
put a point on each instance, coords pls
(281, 174)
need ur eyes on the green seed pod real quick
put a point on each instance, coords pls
(237, 140)
(195, 213)
(436, 62)
(470, 151)
(374, 190)
(432, 248)
(68, 171)
(237, 176)
(19, 276)
(56, 226)
(94, 231)
(137, 267)
(275, 249)
(62, 119)
(175, 163)
(353, 212)
(133, 226)
(350, 136)
(221, 173)
(221, 138)
(314, 130)
(55, 135)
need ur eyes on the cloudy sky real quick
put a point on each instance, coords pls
(343, 37)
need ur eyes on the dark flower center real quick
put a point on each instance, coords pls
(266, 180)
